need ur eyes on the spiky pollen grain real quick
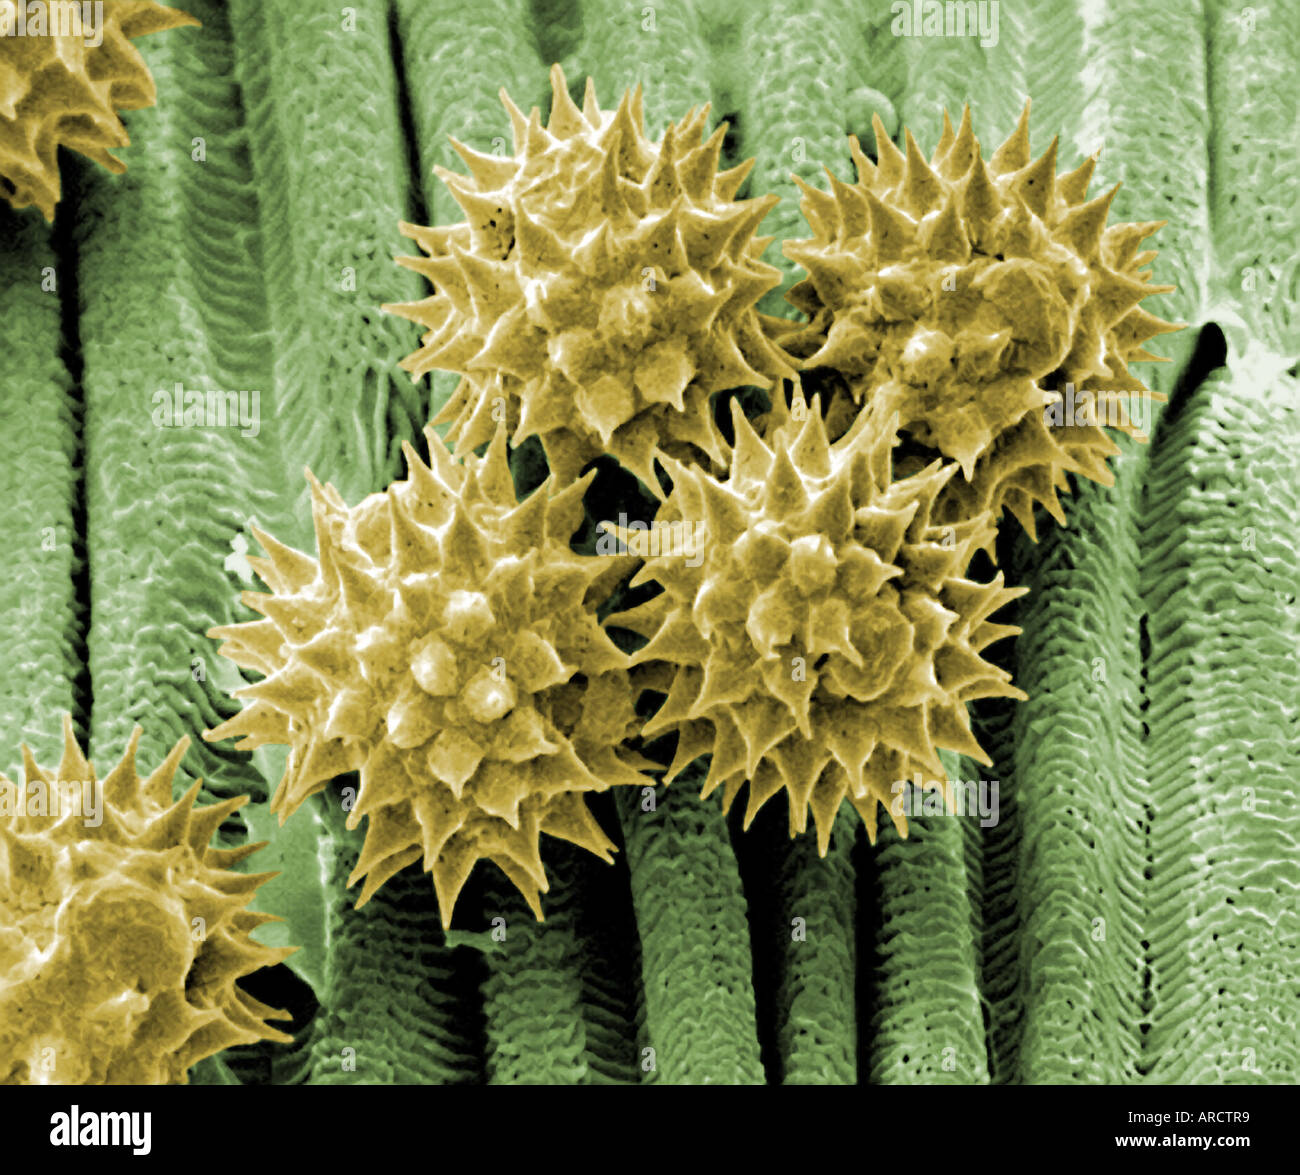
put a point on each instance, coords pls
(445, 646)
(967, 296)
(122, 933)
(600, 290)
(59, 90)
(827, 641)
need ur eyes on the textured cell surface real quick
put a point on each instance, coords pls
(444, 645)
(122, 932)
(1128, 914)
(981, 302)
(62, 84)
(600, 290)
(818, 631)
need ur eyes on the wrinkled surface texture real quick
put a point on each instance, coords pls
(1130, 915)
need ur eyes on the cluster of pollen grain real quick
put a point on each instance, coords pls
(817, 630)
